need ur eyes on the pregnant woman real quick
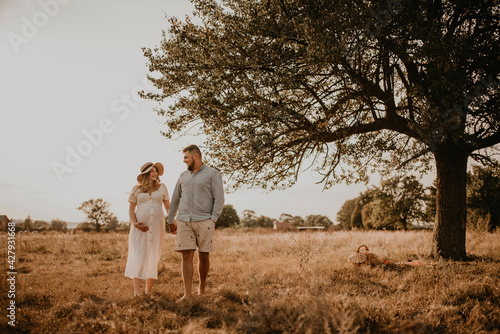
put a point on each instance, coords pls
(148, 226)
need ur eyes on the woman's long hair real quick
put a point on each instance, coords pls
(144, 182)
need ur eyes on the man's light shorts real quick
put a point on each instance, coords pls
(192, 235)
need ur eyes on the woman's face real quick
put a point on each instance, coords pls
(153, 175)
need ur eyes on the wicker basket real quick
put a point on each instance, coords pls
(363, 257)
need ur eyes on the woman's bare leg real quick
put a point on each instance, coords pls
(149, 285)
(137, 286)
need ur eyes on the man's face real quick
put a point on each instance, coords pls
(189, 160)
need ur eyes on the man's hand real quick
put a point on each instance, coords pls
(141, 226)
(172, 228)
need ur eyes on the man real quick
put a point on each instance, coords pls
(199, 198)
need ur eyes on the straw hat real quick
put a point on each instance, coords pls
(146, 168)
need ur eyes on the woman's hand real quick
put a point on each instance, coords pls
(141, 226)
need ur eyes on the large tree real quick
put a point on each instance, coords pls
(344, 86)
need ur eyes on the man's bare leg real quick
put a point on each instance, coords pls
(203, 267)
(187, 272)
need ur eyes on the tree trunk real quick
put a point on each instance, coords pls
(451, 212)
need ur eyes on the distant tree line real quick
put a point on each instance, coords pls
(29, 225)
(401, 202)
(98, 217)
(249, 219)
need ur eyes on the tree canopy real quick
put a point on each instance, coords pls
(345, 212)
(402, 198)
(343, 87)
(483, 197)
(249, 219)
(318, 220)
(228, 217)
(396, 204)
(112, 223)
(58, 225)
(97, 211)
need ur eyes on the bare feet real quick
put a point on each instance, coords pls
(184, 298)
(201, 291)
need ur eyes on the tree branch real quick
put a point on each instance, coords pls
(413, 157)
(486, 142)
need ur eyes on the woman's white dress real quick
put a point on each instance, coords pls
(144, 248)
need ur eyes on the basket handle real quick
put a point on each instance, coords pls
(366, 248)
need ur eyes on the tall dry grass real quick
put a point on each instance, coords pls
(259, 282)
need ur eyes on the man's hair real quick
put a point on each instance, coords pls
(192, 149)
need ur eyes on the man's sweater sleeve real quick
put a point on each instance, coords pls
(174, 203)
(218, 194)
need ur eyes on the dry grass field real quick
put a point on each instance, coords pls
(260, 282)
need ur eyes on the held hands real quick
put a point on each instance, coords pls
(141, 226)
(173, 228)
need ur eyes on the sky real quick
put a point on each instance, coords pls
(73, 127)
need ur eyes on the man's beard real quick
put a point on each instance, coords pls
(190, 166)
